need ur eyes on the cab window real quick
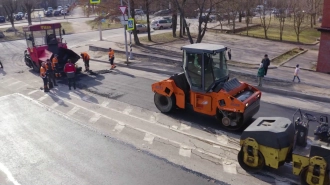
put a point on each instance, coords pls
(194, 69)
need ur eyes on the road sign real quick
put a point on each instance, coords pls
(123, 20)
(130, 24)
(123, 9)
(95, 1)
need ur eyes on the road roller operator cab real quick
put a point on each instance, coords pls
(204, 86)
(272, 141)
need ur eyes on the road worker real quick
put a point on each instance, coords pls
(43, 75)
(70, 71)
(85, 58)
(112, 58)
(50, 74)
(55, 66)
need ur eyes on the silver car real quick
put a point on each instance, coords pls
(161, 24)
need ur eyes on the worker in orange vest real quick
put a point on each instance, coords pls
(43, 75)
(55, 66)
(112, 58)
(85, 58)
(50, 74)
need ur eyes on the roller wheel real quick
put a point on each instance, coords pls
(226, 122)
(261, 165)
(303, 177)
(163, 103)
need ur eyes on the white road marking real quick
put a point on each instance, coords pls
(105, 104)
(94, 118)
(118, 128)
(127, 110)
(59, 102)
(229, 167)
(43, 97)
(186, 126)
(22, 86)
(8, 174)
(184, 151)
(85, 98)
(34, 91)
(149, 138)
(174, 127)
(7, 80)
(73, 110)
(223, 139)
(14, 83)
(152, 119)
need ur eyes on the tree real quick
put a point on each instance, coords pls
(313, 9)
(28, 6)
(147, 4)
(10, 7)
(265, 18)
(298, 17)
(281, 14)
(174, 18)
(249, 14)
(132, 6)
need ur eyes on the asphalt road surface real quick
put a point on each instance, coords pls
(40, 147)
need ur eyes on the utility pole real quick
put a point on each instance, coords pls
(130, 35)
(100, 29)
(121, 3)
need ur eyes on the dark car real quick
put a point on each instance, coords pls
(2, 19)
(163, 12)
(18, 17)
(49, 13)
(57, 12)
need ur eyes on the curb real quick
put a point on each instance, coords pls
(263, 89)
(294, 56)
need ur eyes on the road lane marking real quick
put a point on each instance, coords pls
(186, 126)
(152, 119)
(73, 110)
(10, 177)
(174, 127)
(229, 167)
(94, 118)
(21, 87)
(7, 80)
(34, 91)
(105, 104)
(14, 83)
(149, 138)
(57, 103)
(184, 151)
(127, 110)
(118, 128)
(43, 97)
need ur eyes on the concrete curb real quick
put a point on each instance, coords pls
(294, 56)
(263, 89)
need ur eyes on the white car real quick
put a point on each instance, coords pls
(161, 24)
(138, 12)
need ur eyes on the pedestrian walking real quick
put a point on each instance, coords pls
(85, 58)
(296, 74)
(261, 74)
(50, 74)
(43, 75)
(229, 53)
(1, 66)
(55, 66)
(70, 71)
(266, 63)
(112, 58)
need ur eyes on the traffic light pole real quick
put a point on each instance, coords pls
(130, 35)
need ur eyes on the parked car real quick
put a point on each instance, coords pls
(138, 12)
(50, 9)
(163, 12)
(20, 14)
(48, 13)
(140, 28)
(64, 12)
(2, 19)
(18, 17)
(57, 13)
(160, 24)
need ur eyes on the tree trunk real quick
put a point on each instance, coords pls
(174, 23)
(29, 16)
(181, 26)
(136, 37)
(148, 20)
(240, 16)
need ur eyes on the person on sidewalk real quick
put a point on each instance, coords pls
(112, 58)
(229, 53)
(85, 58)
(266, 63)
(70, 71)
(43, 75)
(55, 66)
(261, 74)
(296, 74)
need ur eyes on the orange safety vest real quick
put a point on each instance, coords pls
(85, 56)
(54, 63)
(111, 54)
(42, 72)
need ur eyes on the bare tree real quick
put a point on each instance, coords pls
(174, 18)
(10, 8)
(280, 14)
(249, 13)
(298, 17)
(265, 18)
(136, 37)
(313, 9)
(28, 6)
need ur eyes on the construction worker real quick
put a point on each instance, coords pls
(43, 75)
(50, 74)
(70, 71)
(112, 58)
(85, 58)
(55, 66)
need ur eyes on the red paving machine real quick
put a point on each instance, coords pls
(43, 42)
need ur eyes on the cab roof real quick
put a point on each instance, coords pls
(39, 27)
(204, 48)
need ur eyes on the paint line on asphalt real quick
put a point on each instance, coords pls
(21, 87)
(85, 98)
(14, 83)
(174, 127)
(127, 110)
(118, 128)
(57, 103)
(105, 104)
(229, 167)
(185, 126)
(149, 138)
(94, 118)
(152, 119)
(9, 175)
(34, 91)
(184, 151)
(43, 97)
(223, 139)
(73, 110)
(7, 80)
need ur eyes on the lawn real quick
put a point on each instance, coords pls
(308, 35)
(105, 26)
(284, 57)
(165, 37)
